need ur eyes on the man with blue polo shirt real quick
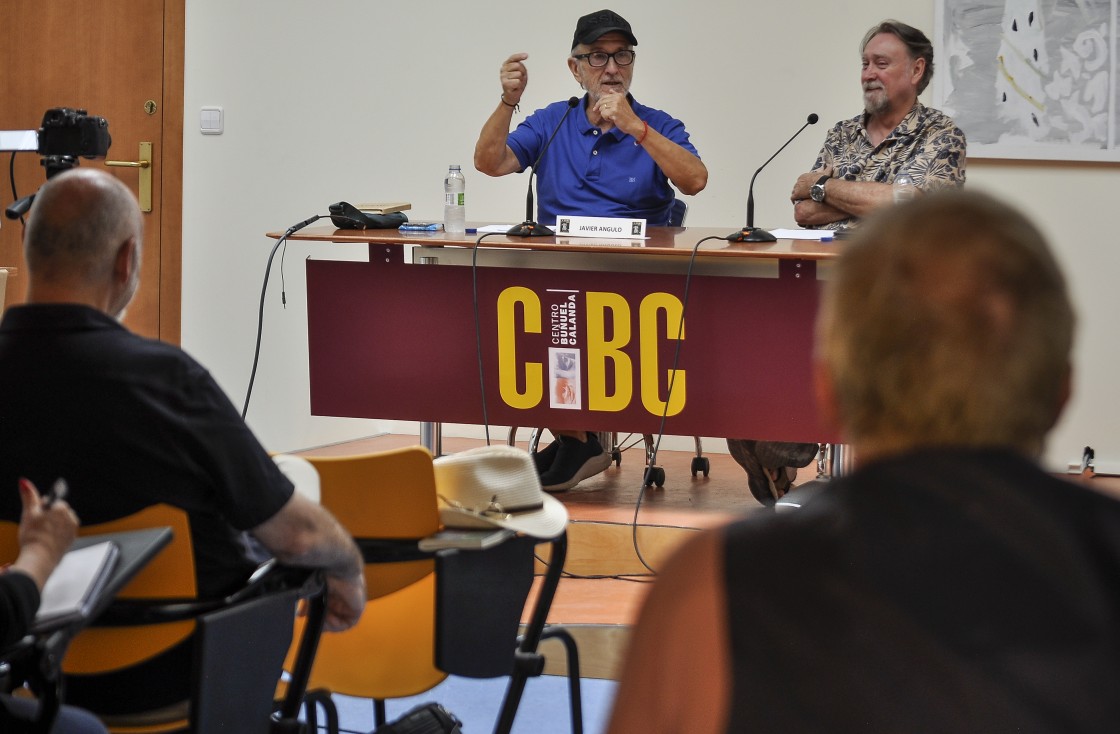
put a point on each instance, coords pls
(611, 157)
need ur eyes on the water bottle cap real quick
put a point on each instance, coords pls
(456, 167)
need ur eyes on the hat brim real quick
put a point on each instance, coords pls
(546, 523)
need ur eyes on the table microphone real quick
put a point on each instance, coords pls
(530, 228)
(750, 233)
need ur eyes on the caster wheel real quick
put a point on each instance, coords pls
(656, 475)
(700, 464)
(616, 457)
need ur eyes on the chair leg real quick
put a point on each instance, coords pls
(311, 703)
(700, 463)
(378, 713)
(575, 698)
(615, 450)
(528, 662)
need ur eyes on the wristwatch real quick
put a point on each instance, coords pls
(816, 191)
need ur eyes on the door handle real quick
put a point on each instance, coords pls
(145, 166)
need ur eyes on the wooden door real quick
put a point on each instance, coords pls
(121, 60)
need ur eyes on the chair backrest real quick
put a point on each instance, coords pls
(238, 657)
(170, 575)
(388, 495)
(677, 213)
(480, 600)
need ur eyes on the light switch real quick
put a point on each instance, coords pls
(211, 121)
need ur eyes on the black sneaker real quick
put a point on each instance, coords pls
(544, 458)
(575, 461)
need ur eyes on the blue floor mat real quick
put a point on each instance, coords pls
(543, 709)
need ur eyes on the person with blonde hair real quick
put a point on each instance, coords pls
(949, 583)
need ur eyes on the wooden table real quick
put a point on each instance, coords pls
(571, 332)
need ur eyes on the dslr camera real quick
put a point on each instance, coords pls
(73, 133)
(66, 135)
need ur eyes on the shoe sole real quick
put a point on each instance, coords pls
(590, 468)
(759, 481)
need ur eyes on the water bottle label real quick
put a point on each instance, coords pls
(459, 199)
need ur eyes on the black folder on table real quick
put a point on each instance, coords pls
(96, 568)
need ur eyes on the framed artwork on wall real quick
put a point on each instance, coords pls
(1031, 79)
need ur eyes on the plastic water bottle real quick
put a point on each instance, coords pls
(455, 201)
(904, 189)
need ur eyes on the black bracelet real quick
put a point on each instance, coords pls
(516, 107)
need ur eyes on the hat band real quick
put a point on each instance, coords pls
(495, 510)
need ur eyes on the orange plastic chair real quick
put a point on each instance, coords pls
(387, 502)
(166, 590)
(423, 613)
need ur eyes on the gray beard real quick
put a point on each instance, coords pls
(875, 102)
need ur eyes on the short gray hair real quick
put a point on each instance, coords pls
(78, 220)
(947, 321)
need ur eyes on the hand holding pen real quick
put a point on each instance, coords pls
(58, 491)
(47, 528)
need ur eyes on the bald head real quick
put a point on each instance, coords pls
(83, 240)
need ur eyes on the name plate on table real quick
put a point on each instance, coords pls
(601, 227)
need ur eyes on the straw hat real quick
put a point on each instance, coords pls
(496, 486)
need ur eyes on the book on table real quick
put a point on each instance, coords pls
(465, 539)
(75, 585)
(384, 207)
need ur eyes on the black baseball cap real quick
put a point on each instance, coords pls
(593, 26)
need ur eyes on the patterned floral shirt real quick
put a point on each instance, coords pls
(927, 144)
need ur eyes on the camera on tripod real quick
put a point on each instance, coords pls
(65, 135)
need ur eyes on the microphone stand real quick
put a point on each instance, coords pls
(751, 233)
(530, 228)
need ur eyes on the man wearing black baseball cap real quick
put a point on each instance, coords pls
(594, 25)
(614, 157)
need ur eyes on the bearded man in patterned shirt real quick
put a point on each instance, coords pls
(896, 134)
(854, 174)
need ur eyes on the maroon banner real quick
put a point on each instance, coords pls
(565, 348)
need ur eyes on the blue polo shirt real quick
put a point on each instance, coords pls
(587, 172)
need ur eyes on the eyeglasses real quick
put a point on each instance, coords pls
(600, 58)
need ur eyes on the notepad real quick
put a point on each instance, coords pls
(465, 539)
(73, 588)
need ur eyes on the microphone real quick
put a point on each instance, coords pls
(530, 228)
(750, 233)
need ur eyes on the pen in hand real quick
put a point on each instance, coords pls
(57, 491)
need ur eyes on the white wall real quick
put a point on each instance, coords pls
(362, 100)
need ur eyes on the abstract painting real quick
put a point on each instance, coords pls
(1030, 78)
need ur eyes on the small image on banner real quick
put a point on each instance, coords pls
(563, 379)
